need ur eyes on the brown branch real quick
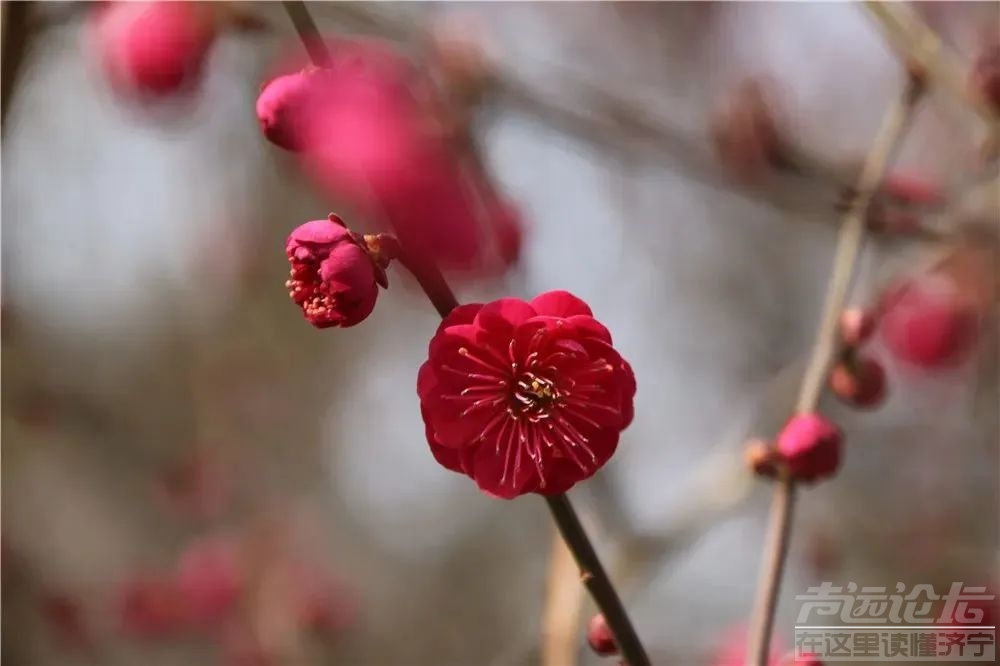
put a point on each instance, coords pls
(913, 40)
(309, 34)
(849, 240)
(16, 35)
(596, 581)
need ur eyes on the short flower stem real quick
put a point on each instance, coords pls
(431, 281)
(894, 125)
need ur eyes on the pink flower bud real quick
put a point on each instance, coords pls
(897, 203)
(928, 323)
(286, 104)
(810, 446)
(154, 48)
(209, 579)
(859, 382)
(334, 279)
(761, 458)
(856, 326)
(599, 636)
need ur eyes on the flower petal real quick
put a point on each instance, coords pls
(317, 232)
(502, 316)
(560, 304)
(499, 472)
(463, 314)
(591, 327)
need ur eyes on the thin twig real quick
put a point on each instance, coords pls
(596, 581)
(311, 38)
(917, 43)
(16, 35)
(849, 240)
(561, 612)
(432, 282)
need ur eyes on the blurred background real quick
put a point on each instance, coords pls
(193, 474)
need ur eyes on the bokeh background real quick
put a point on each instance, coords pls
(159, 389)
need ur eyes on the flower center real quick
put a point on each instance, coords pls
(303, 287)
(534, 395)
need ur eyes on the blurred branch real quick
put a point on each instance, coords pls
(16, 35)
(914, 41)
(309, 34)
(849, 241)
(612, 120)
(561, 613)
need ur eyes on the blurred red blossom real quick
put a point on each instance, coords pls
(210, 579)
(285, 105)
(63, 613)
(334, 277)
(599, 636)
(154, 48)
(810, 446)
(524, 396)
(150, 606)
(929, 322)
(372, 130)
(897, 205)
(859, 382)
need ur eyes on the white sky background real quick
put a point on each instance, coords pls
(706, 293)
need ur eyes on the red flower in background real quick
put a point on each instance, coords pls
(333, 277)
(928, 322)
(524, 396)
(599, 636)
(283, 107)
(154, 48)
(369, 128)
